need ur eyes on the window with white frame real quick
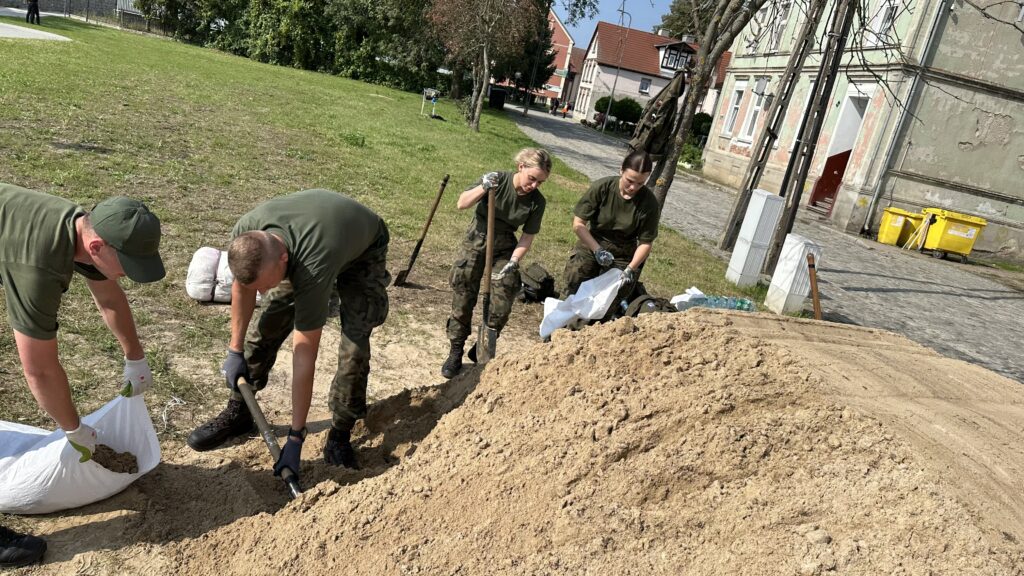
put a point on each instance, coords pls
(734, 107)
(645, 85)
(755, 110)
(779, 26)
(882, 24)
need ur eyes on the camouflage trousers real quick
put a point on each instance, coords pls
(582, 265)
(362, 290)
(465, 279)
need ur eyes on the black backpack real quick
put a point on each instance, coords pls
(646, 304)
(538, 284)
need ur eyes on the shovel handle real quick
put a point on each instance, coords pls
(287, 474)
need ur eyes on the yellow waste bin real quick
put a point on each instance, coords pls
(952, 232)
(914, 222)
(895, 227)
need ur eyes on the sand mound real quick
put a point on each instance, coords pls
(665, 445)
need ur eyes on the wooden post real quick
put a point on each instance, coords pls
(814, 286)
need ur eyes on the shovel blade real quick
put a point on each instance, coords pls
(400, 278)
(486, 344)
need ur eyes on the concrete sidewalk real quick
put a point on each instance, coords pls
(25, 32)
(940, 304)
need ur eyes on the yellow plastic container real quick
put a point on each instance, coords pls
(914, 221)
(892, 230)
(953, 232)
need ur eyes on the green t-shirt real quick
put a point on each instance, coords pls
(510, 209)
(324, 232)
(615, 219)
(37, 257)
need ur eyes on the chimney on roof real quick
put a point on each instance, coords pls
(689, 38)
(664, 32)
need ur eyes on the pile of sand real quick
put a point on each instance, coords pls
(664, 445)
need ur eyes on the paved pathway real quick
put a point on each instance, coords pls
(24, 32)
(940, 304)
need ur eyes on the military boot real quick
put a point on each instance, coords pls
(234, 420)
(453, 364)
(338, 450)
(19, 549)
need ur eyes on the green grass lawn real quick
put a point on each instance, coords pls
(202, 137)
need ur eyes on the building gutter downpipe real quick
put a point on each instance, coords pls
(902, 121)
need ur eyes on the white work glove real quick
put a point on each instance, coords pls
(604, 258)
(82, 439)
(137, 377)
(489, 180)
(509, 268)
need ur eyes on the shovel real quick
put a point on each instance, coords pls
(404, 274)
(486, 338)
(287, 475)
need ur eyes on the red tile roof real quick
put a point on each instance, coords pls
(640, 53)
(577, 58)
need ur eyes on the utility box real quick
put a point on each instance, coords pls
(755, 235)
(791, 282)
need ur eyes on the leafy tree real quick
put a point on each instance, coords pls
(538, 51)
(290, 33)
(386, 42)
(478, 32)
(686, 17)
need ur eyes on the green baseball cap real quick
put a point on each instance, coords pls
(134, 233)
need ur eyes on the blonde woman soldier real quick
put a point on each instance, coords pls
(518, 203)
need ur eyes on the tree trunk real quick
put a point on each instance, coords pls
(478, 105)
(476, 91)
(456, 81)
(697, 91)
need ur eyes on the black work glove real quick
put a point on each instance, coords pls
(604, 258)
(234, 367)
(628, 277)
(291, 453)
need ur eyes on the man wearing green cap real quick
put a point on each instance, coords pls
(44, 240)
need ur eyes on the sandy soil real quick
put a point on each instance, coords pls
(706, 442)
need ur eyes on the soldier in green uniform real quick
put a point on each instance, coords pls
(616, 222)
(296, 250)
(44, 240)
(518, 203)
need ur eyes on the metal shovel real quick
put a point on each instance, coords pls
(287, 475)
(404, 274)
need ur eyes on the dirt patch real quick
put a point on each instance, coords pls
(119, 462)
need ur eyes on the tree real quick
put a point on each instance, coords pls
(686, 17)
(478, 32)
(525, 61)
(386, 42)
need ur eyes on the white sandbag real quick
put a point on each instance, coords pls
(202, 274)
(40, 471)
(222, 292)
(590, 302)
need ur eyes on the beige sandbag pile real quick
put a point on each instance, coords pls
(660, 445)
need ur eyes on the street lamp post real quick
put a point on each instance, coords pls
(618, 67)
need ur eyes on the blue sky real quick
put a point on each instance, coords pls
(645, 17)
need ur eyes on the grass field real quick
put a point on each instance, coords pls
(202, 137)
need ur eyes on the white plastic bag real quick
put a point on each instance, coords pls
(591, 301)
(222, 292)
(202, 274)
(40, 471)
